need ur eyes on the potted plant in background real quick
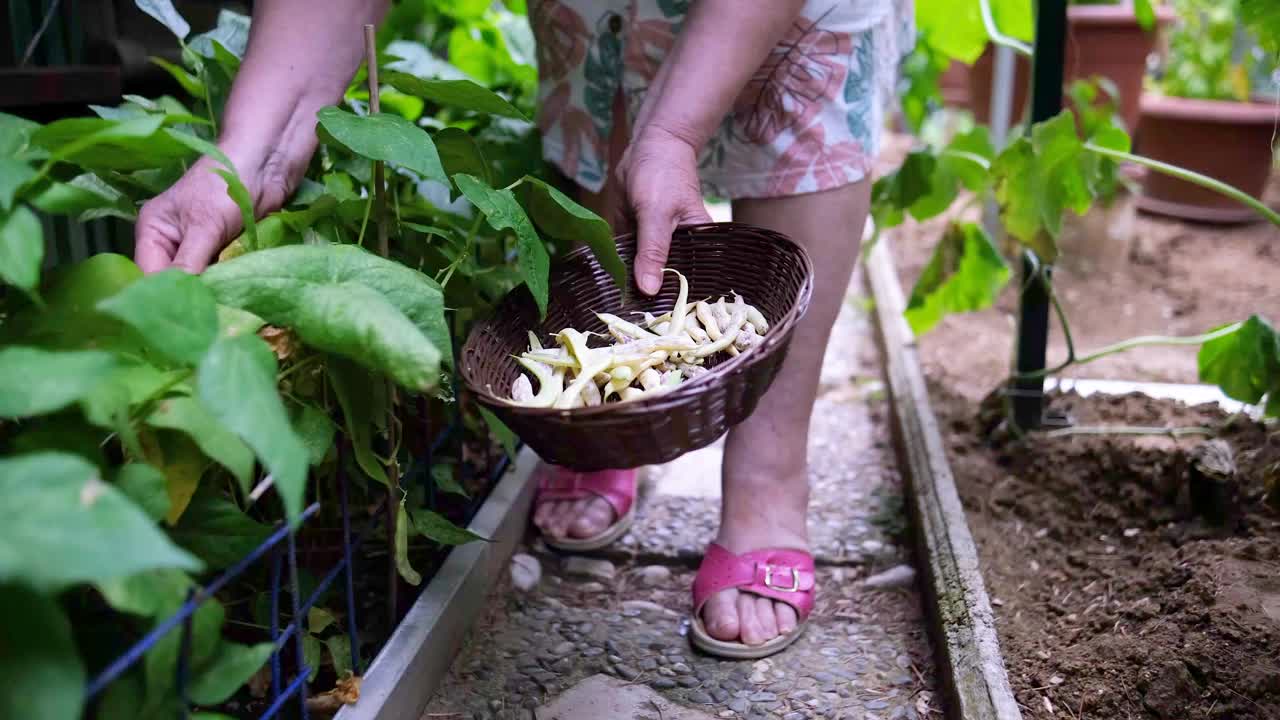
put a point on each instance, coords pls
(1111, 39)
(1207, 115)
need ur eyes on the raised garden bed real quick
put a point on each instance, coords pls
(1127, 580)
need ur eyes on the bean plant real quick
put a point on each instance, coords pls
(1066, 163)
(154, 428)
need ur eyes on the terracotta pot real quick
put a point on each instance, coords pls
(1229, 141)
(1103, 40)
(954, 85)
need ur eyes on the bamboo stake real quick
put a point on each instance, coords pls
(384, 249)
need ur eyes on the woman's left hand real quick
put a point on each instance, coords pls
(660, 187)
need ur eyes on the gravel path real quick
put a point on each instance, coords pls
(566, 637)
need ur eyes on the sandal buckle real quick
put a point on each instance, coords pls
(768, 580)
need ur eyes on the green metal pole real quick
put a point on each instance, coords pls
(1033, 310)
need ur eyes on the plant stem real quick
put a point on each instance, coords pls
(465, 253)
(1131, 343)
(1195, 178)
(997, 37)
(1173, 432)
(379, 202)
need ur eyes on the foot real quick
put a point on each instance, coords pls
(735, 616)
(573, 519)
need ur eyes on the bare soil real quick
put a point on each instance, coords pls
(1115, 595)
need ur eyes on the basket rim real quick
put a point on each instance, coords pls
(778, 336)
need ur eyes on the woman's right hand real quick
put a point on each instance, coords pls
(187, 225)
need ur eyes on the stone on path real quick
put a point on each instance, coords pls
(897, 576)
(596, 568)
(601, 696)
(655, 575)
(526, 571)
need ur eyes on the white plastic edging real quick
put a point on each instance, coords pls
(411, 665)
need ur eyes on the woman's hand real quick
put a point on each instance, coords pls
(187, 225)
(659, 181)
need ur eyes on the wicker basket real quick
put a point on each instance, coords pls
(766, 268)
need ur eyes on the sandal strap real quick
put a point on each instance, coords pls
(781, 574)
(616, 487)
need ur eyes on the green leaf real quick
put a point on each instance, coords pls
(35, 382)
(43, 675)
(21, 248)
(966, 273)
(406, 570)
(1244, 364)
(437, 527)
(500, 431)
(13, 174)
(268, 283)
(442, 478)
(385, 137)
(190, 83)
(217, 531)
(145, 486)
(1263, 18)
(557, 215)
(318, 619)
(109, 144)
(85, 196)
(70, 319)
(312, 655)
(461, 94)
(188, 415)
(234, 321)
(229, 669)
(893, 194)
(1145, 15)
(236, 380)
(502, 211)
(160, 663)
(316, 430)
(459, 153)
(358, 395)
(74, 527)
(149, 594)
(1040, 178)
(15, 134)
(126, 386)
(167, 14)
(339, 653)
(182, 464)
(172, 310)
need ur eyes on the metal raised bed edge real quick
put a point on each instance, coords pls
(411, 665)
(962, 623)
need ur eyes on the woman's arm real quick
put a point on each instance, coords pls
(301, 55)
(721, 46)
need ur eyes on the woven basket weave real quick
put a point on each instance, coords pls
(767, 269)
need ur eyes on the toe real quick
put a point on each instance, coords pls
(542, 515)
(767, 618)
(748, 623)
(786, 618)
(597, 517)
(720, 615)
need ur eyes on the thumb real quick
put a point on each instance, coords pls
(653, 240)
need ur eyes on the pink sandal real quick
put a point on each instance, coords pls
(778, 574)
(617, 487)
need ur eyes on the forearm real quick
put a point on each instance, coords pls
(301, 56)
(720, 48)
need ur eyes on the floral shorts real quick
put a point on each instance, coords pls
(809, 119)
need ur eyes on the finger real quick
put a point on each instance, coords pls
(653, 242)
(153, 247)
(199, 244)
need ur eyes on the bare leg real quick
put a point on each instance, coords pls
(765, 475)
(585, 518)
